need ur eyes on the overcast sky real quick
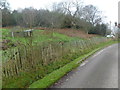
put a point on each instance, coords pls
(108, 7)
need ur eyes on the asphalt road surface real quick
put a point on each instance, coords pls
(98, 71)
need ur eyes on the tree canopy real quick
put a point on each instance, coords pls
(68, 14)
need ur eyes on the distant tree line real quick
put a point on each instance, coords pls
(71, 14)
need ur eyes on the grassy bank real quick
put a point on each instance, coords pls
(45, 75)
(57, 74)
(46, 53)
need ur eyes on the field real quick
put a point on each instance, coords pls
(30, 58)
(38, 37)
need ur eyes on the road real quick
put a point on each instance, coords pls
(98, 71)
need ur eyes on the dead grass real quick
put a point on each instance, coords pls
(75, 33)
(71, 32)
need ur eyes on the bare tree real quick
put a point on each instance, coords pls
(91, 14)
(29, 15)
(73, 10)
(4, 4)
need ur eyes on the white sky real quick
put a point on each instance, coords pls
(108, 7)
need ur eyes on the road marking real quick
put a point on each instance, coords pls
(83, 63)
(67, 79)
(98, 53)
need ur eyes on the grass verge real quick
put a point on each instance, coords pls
(57, 74)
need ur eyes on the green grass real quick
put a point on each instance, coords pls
(63, 37)
(54, 37)
(38, 37)
(57, 74)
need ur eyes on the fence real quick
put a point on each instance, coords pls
(24, 58)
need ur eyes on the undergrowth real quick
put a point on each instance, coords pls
(27, 78)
